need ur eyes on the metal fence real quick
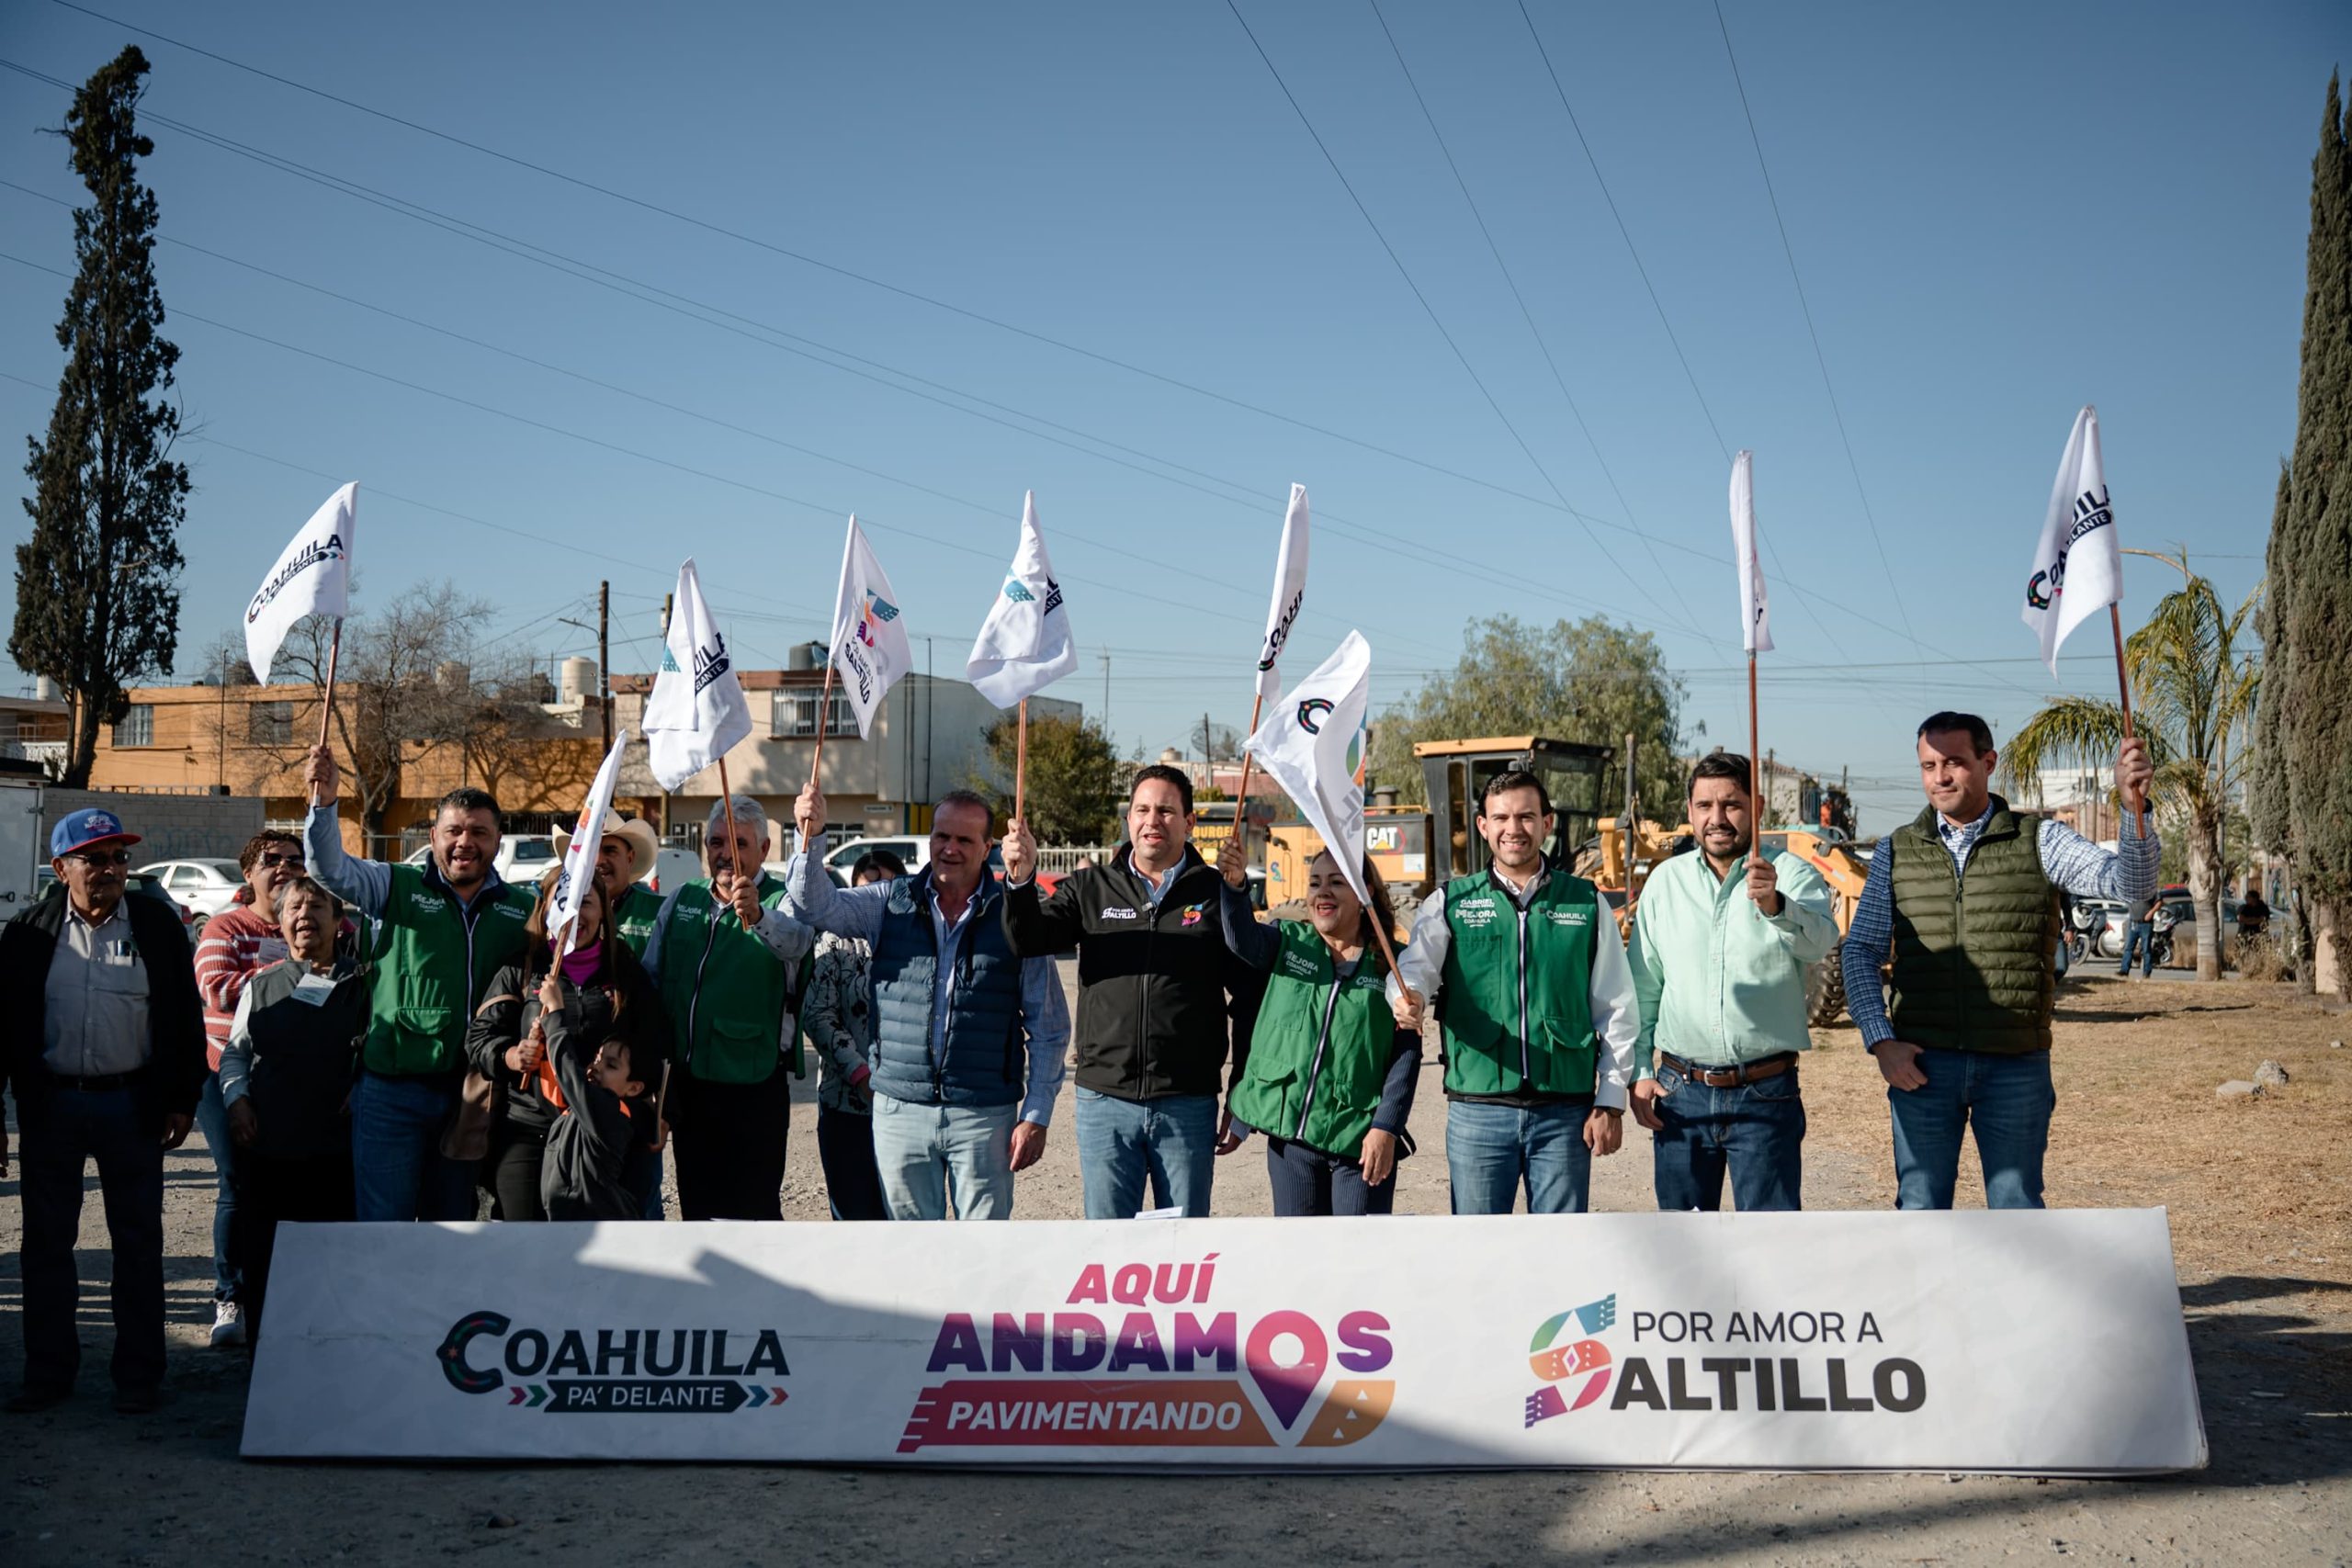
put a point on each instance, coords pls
(1062, 859)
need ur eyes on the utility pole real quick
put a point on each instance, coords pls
(604, 658)
(1106, 696)
(1764, 817)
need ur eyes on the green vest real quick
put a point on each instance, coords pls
(1319, 1055)
(730, 996)
(1972, 954)
(1516, 1002)
(634, 913)
(431, 960)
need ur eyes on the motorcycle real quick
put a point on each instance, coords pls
(2161, 923)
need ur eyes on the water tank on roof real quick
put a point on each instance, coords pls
(804, 656)
(578, 681)
(45, 689)
(451, 676)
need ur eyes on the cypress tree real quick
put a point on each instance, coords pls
(98, 601)
(2303, 793)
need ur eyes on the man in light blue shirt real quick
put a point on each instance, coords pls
(1721, 941)
(957, 1017)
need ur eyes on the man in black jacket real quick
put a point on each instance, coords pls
(107, 1061)
(1153, 974)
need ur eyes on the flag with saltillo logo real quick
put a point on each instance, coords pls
(869, 646)
(2077, 563)
(1310, 745)
(1024, 645)
(312, 576)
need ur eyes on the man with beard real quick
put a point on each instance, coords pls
(1721, 941)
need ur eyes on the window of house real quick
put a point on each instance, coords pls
(796, 716)
(269, 723)
(137, 726)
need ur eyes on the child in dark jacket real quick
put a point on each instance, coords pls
(589, 1142)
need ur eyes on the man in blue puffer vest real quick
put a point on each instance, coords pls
(969, 1038)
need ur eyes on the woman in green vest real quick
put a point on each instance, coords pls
(1329, 1078)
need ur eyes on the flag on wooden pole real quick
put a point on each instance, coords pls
(1310, 745)
(579, 856)
(2077, 563)
(1755, 616)
(697, 712)
(312, 576)
(1290, 592)
(1024, 645)
(869, 642)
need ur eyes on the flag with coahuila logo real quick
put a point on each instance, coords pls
(1311, 744)
(1290, 592)
(2077, 563)
(869, 644)
(697, 713)
(1024, 645)
(580, 858)
(1754, 615)
(312, 576)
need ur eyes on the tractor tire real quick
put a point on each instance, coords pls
(1824, 990)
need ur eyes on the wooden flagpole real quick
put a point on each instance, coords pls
(1241, 800)
(2123, 685)
(1757, 804)
(1021, 764)
(334, 656)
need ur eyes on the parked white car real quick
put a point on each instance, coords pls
(204, 887)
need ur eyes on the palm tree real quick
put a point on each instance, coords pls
(2194, 689)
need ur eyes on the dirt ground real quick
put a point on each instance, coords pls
(2261, 1205)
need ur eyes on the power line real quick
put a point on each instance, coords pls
(1819, 358)
(1431, 311)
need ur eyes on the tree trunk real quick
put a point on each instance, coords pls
(2205, 890)
(83, 753)
(2298, 909)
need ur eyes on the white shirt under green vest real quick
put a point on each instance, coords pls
(1720, 981)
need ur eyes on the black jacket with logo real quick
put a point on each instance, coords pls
(1152, 983)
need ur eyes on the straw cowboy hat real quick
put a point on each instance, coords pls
(643, 847)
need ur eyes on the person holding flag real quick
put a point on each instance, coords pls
(1327, 1075)
(1966, 897)
(626, 855)
(1521, 969)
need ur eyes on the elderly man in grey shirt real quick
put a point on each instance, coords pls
(106, 1067)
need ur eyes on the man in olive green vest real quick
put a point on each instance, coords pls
(1965, 895)
(438, 932)
(729, 961)
(1522, 968)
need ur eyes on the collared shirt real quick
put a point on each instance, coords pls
(1616, 1014)
(857, 912)
(2070, 860)
(1720, 981)
(93, 1022)
(1155, 884)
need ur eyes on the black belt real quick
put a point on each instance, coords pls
(99, 1085)
(1771, 1066)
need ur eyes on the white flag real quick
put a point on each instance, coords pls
(1024, 644)
(1310, 745)
(869, 641)
(1290, 587)
(697, 713)
(1755, 617)
(312, 578)
(580, 857)
(2078, 565)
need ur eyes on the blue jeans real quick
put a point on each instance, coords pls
(212, 1121)
(935, 1155)
(2007, 1100)
(2140, 936)
(1753, 1132)
(1491, 1149)
(1170, 1140)
(397, 1171)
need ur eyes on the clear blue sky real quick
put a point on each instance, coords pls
(1998, 212)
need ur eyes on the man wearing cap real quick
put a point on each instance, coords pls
(108, 1067)
(441, 931)
(624, 858)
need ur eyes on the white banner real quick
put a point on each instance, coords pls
(1311, 745)
(1023, 646)
(311, 577)
(869, 643)
(2047, 1343)
(696, 712)
(1290, 592)
(578, 866)
(2077, 563)
(1755, 612)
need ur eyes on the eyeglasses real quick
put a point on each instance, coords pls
(281, 860)
(101, 857)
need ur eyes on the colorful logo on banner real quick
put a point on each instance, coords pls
(1555, 1363)
(876, 609)
(1170, 1372)
(674, 1371)
(1698, 1359)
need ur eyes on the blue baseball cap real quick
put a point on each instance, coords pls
(80, 829)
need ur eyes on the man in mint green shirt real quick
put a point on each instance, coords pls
(1721, 941)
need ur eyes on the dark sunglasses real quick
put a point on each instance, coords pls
(101, 857)
(281, 860)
